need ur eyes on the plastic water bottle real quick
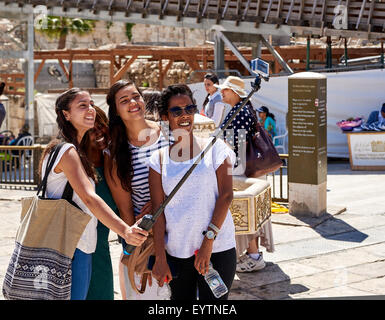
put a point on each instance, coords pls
(164, 293)
(215, 282)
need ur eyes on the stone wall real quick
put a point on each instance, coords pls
(144, 73)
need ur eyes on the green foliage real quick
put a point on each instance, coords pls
(56, 27)
(129, 30)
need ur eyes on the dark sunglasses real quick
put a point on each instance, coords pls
(178, 111)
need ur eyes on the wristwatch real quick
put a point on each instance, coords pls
(210, 234)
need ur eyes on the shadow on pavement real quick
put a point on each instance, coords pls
(270, 283)
(332, 228)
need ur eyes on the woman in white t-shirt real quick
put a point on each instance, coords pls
(75, 116)
(197, 219)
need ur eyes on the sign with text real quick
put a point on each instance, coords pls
(367, 150)
(307, 128)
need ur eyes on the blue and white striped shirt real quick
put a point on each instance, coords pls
(139, 183)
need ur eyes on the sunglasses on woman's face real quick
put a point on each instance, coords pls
(178, 111)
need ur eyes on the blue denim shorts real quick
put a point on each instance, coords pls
(81, 274)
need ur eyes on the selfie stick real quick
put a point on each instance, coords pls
(149, 220)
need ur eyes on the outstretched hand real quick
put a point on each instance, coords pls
(135, 235)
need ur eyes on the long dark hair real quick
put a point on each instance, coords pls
(67, 132)
(119, 147)
(212, 77)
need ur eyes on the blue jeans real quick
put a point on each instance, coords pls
(81, 275)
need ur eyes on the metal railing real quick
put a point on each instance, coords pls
(19, 165)
(279, 182)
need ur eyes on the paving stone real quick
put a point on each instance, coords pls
(343, 291)
(376, 286)
(370, 270)
(296, 269)
(342, 259)
(330, 279)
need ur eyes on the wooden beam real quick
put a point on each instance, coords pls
(371, 10)
(323, 13)
(301, 7)
(246, 10)
(186, 7)
(290, 11)
(163, 72)
(361, 13)
(268, 10)
(160, 75)
(128, 5)
(219, 10)
(280, 2)
(70, 73)
(64, 69)
(180, 5)
(123, 69)
(112, 71)
(38, 70)
(315, 2)
(238, 12)
(225, 9)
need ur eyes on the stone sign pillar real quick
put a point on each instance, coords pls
(307, 125)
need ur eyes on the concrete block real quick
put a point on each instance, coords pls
(307, 199)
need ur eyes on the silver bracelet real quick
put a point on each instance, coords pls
(214, 227)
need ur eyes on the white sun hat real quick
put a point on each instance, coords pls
(234, 83)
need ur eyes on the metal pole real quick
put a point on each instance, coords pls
(29, 81)
(329, 52)
(308, 54)
(346, 52)
(219, 55)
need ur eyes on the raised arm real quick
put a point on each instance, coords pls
(72, 167)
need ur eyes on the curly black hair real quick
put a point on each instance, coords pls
(172, 91)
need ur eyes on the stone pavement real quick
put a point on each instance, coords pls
(341, 254)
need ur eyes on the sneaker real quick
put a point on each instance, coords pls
(248, 264)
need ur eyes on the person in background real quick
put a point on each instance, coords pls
(196, 219)
(2, 109)
(133, 140)
(75, 116)
(213, 106)
(237, 133)
(95, 142)
(267, 120)
(24, 132)
(376, 120)
(151, 99)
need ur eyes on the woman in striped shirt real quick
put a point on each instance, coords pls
(133, 140)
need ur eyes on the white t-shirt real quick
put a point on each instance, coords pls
(219, 109)
(189, 212)
(55, 186)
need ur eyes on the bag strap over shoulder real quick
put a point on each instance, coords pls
(51, 161)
